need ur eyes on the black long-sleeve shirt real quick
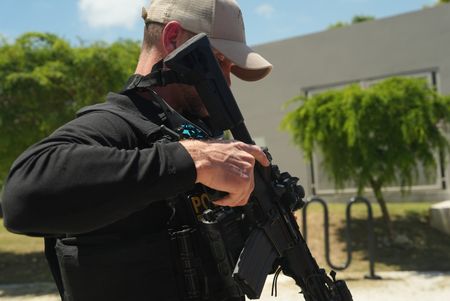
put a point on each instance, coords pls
(100, 172)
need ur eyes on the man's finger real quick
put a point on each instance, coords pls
(258, 153)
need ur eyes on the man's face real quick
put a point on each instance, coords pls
(192, 102)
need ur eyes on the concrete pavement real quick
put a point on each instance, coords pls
(395, 286)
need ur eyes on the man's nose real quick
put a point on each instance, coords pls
(225, 64)
(227, 75)
(226, 70)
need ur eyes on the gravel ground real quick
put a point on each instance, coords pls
(29, 292)
(395, 286)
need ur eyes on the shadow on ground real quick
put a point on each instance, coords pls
(417, 247)
(31, 289)
(25, 274)
(23, 268)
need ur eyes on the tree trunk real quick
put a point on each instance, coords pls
(376, 187)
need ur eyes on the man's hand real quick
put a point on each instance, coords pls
(226, 166)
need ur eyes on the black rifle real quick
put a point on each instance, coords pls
(273, 234)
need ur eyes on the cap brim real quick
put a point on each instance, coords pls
(248, 65)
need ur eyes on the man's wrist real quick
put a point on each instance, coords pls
(197, 150)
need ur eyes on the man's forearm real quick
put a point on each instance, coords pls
(73, 188)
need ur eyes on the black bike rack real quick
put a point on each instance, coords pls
(370, 232)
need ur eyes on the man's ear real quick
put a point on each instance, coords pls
(171, 36)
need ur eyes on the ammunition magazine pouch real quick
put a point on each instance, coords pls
(199, 275)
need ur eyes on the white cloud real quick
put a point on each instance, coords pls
(265, 10)
(111, 13)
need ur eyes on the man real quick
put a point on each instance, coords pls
(101, 188)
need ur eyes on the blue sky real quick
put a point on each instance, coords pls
(109, 20)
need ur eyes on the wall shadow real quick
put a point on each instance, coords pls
(418, 247)
(29, 289)
(25, 274)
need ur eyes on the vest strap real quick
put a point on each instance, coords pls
(158, 77)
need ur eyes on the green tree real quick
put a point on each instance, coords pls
(338, 24)
(355, 19)
(362, 18)
(373, 137)
(44, 80)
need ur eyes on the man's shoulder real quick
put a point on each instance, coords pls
(127, 108)
(115, 122)
(115, 103)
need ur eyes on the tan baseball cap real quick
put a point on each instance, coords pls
(222, 21)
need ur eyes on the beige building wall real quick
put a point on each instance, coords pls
(408, 44)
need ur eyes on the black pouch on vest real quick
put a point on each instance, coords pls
(111, 268)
